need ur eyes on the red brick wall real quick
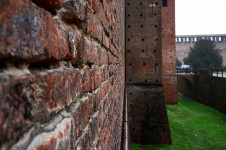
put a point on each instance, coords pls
(146, 107)
(61, 74)
(169, 53)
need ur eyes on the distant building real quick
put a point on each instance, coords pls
(184, 42)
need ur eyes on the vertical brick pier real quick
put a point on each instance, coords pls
(146, 107)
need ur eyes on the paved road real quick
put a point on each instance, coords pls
(219, 75)
(214, 74)
(185, 73)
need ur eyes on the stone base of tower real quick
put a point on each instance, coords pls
(148, 119)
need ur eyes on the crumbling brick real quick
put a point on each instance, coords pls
(59, 74)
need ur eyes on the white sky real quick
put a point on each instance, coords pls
(200, 17)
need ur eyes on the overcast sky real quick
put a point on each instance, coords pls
(200, 17)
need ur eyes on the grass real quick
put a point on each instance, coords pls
(193, 127)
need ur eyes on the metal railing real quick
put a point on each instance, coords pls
(181, 71)
(196, 71)
(126, 144)
(217, 73)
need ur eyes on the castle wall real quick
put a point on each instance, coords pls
(184, 43)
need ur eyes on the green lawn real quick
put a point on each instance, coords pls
(193, 127)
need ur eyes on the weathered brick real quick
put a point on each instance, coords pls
(112, 69)
(93, 26)
(72, 51)
(94, 54)
(78, 124)
(92, 79)
(103, 57)
(38, 36)
(103, 91)
(86, 80)
(105, 73)
(73, 11)
(114, 50)
(17, 100)
(106, 9)
(90, 135)
(105, 41)
(90, 53)
(96, 5)
(30, 32)
(103, 19)
(87, 110)
(83, 115)
(76, 45)
(61, 93)
(98, 77)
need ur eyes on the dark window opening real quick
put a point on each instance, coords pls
(164, 3)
